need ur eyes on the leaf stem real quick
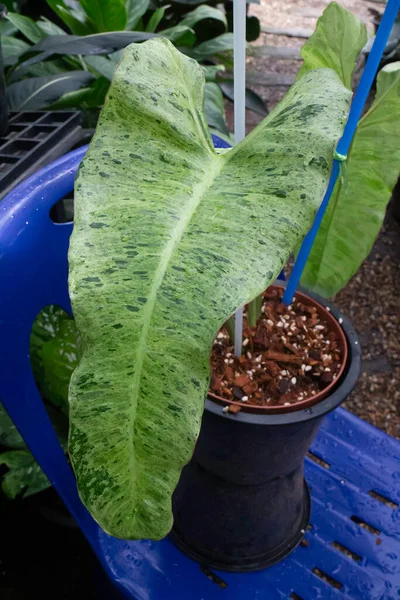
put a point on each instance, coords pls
(230, 327)
(254, 311)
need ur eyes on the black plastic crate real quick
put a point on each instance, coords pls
(33, 140)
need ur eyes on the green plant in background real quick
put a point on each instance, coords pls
(358, 204)
(54, 350)
(48, 67)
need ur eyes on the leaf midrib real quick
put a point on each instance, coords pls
(199, 191)
(43, 87)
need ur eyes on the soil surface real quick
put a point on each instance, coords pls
(289, 356)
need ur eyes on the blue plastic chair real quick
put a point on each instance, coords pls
(352, 548)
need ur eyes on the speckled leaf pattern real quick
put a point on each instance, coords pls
(358, 204)
(23, 475)
(9, 435)
(54, 353)
(169, 239)
(338, 39)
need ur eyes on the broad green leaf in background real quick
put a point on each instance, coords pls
(214, 108)
(253, 101)
(36, 93)
(7, 28)
(203, 12)
(102, 65)
(60, 357)
(210, 47)
(338, 39)
(106, 15)
(86, 98)
(169, 239)
(12, 49)
(41, 69)
(76, 21)
(180, 35)
(9, 435)
(49, 28)
(24, 474)
(210, 71)
(26, 26)
(194, 2)
(54, 352)
(357, 207)
(98, 43)
(135, 9)
(156, 19)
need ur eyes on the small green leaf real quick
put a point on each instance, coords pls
(75, 20)
(24, 474)
(98, 43)
(60, 358)
(106, 15)
(135, 10)
(358, 204)
(169, 239)
(7, 28)
(338, 39)
(201, 13)
(208, 49)
(26, 26)
(214, 108)
(36, 93)
(49, 67)
(156, 19)
(102, 65)
(253, 101)
(54, 352)
(9, 435)
(49, 28)
(210, 71)
(180, 35)
(12, 49)
(85, 98)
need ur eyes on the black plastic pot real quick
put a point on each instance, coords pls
(242, 503)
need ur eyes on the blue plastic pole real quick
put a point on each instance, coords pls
(343, 146)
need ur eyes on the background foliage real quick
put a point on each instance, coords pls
(62, 53)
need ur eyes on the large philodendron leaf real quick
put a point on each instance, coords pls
(338, 39)
(169, 239)
(357, 207)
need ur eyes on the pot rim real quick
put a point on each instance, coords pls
(319, 404)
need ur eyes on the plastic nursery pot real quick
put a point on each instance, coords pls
(242, 503)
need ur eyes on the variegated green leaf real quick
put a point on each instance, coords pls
(54, 352)
(357, 207)
(338, 39)
(169, 239)
(24, 474)
(9, 435)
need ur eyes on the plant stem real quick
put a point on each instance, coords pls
(230, 327)
(254, 311)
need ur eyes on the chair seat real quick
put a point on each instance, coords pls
(351, 551)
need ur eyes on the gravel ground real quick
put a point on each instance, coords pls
(370, 299)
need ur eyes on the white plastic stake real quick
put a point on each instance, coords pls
(239, 81)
